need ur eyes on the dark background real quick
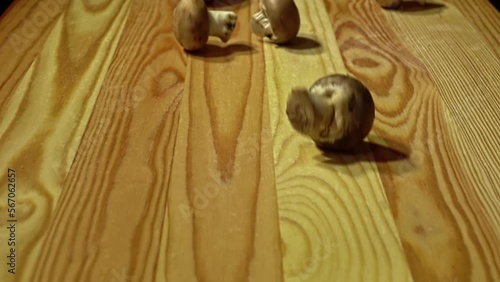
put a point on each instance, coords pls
(496, 3)
(4, 4)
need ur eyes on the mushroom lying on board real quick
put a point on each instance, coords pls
(193, 23)
(278, 20)
(337, 112)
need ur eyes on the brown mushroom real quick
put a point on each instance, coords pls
(193, 23)
(337, 112)
(278, 20)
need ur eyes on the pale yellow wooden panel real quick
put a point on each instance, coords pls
(107, 225)
(334, 218)
(42, 123)
(23, 30)
(466, 72)
(445, 239)
(482, 15)
(222, 215)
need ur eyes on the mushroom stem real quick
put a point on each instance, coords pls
(221, 24)
(261, 26)
(301, 112)
(278, 20)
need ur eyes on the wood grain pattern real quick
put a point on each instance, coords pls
(42, 123)
(138, 161)
(474, 95)
(484, 17)
(443, 237)
(223, 180)
(333, 211)
(23, 30)
(115, 195)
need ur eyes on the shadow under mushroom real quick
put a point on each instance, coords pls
(414, 6)
(214, 52)
(368, 151)
(225, 3)
(303, 45)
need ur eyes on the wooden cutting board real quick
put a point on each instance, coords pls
(136, 161)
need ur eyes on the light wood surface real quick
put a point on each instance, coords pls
(137, 161)
(483, 16)
(431, 195)
(223, 217)
(43, 118)
(333, 212)
(22, 38)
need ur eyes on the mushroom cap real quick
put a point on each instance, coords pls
(190, 24)
(284, 18)
(342, 112)
(347, 109)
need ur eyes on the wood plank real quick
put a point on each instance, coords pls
(471, 104)
(127, 156)
(485, 18)
(107, 224)
(23, 31)
(139, 162)
(42, 124)
(223, 221)
(334, 217)
(447, 235)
